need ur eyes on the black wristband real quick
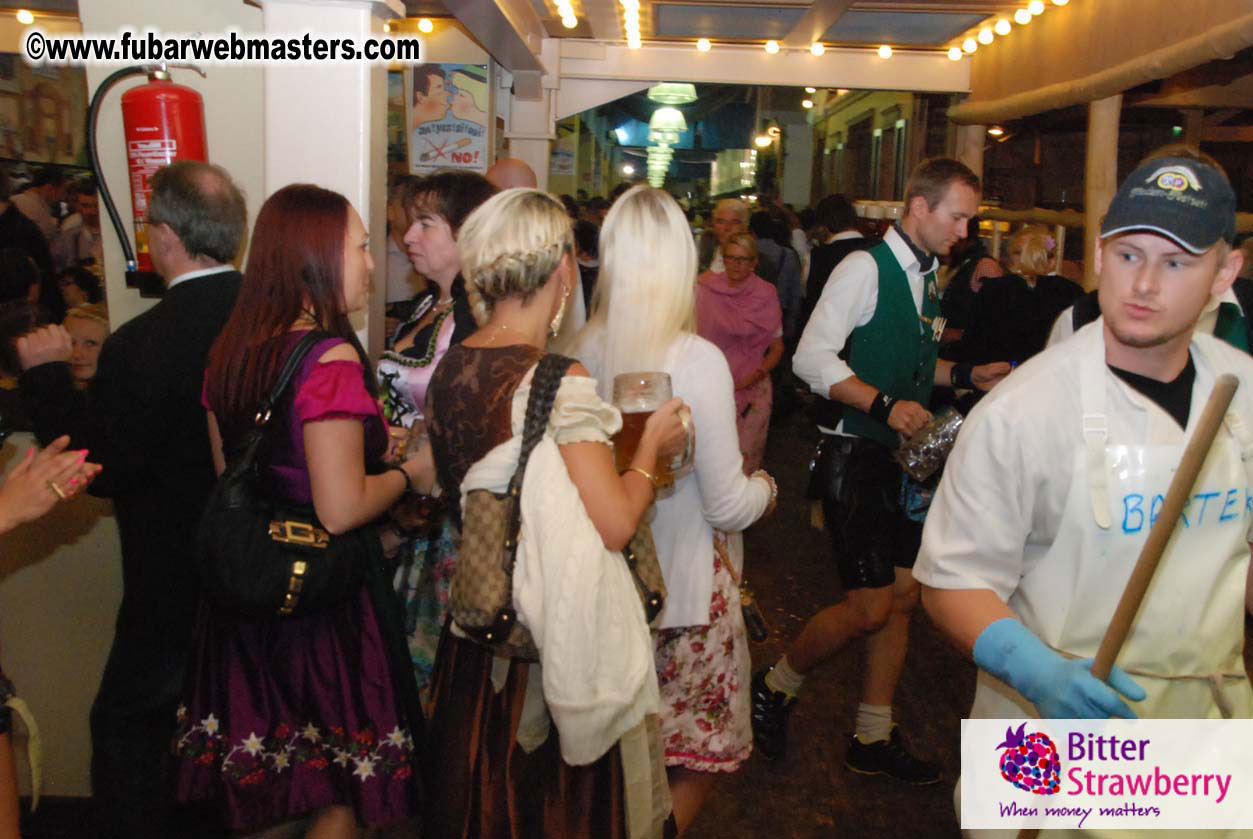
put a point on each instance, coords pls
(881, 407)
(403, 474)
(960, 377)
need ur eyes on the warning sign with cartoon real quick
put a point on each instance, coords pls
(448, 117)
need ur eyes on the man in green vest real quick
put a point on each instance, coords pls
(869, 350)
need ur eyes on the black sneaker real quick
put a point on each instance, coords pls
(886, 757)
(770, 711)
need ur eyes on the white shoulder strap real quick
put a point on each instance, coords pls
(1095, 435)
(1237, 428)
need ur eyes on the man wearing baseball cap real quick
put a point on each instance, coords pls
(1061, 470)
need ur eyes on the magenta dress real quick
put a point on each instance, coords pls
(287, 716)
(742, 322)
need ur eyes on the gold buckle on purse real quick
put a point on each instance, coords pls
(294, 585)
(299, 533)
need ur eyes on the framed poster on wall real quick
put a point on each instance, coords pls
(448, 109)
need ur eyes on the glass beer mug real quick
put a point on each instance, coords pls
(922, 454)
(637, 395)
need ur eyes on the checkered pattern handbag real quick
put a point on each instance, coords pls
(481, 599)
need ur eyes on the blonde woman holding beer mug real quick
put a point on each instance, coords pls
(647, 323)
(496, 768)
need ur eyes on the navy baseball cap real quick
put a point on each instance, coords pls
(1185, 200)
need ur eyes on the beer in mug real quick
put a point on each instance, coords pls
(637, 395)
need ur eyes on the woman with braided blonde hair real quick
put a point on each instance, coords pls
(559, 748)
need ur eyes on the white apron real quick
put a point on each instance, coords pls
(1186, 645)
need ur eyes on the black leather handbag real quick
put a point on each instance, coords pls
(261, 557)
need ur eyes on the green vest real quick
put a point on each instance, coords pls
(896, 351)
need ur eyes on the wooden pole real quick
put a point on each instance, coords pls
(1100, 176)
(1193, 126)
(1180, 488)
(970, 146)
(1059, 233)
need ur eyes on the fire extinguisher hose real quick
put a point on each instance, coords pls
(93, 114)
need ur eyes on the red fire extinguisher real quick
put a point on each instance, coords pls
(163, 122)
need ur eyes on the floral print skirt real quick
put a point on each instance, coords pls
(423, 581)
(704, 674)
(288, 716)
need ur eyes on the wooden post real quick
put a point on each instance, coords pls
(1058, 257)
(970, 146)
(996, 240)
(1100, 177)
(1193, 126)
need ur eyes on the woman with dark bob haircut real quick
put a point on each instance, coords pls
(436, 206)
(305, 723)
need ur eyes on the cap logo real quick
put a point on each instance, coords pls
(1175, 178)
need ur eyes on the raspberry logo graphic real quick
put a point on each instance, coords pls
(1030, 761)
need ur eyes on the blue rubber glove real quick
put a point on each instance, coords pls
(1060, 688)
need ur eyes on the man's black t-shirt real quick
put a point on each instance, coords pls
(1174, 397)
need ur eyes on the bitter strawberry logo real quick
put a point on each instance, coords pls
(1030, 761)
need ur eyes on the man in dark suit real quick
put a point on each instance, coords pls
(142, 420)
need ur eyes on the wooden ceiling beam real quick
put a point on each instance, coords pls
(1236, 94)
(605, 19)
(1228, 134)
(821, 16)
(509, 30)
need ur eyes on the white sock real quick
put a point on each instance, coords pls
(874, 722)
(784, 679)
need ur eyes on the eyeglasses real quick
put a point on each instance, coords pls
(739, 260)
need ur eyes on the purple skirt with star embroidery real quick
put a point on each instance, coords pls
(287, 717)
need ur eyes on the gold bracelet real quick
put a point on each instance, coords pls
(651, 479)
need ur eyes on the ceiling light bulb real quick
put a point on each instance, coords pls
(840, 91)
(996, 131)
(1036, 7)
(1060, 2)
(628, 169)
(811, 90)
(703, 44)
(954, 54)
(772, 47)
(807, 103)
(1002, 26)
(762, 141)
(24, 17)
(885, 51)
(1022, 17)
(569, 21)
(816, 48)
(425, 25)
(985, 35)
(387, 27)
(970, 45)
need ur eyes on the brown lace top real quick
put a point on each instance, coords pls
(468, 407)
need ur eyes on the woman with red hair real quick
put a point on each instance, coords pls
(304, 723)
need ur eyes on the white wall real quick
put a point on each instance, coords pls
(233, 114)
(60, 586)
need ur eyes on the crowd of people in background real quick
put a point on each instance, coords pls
(381, 708)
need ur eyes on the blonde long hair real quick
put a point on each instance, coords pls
(646, 291)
